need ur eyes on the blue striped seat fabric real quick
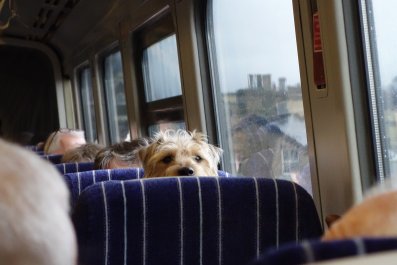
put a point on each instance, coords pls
(55, 159)
(190, 220)
(64, 168)
(78, 181)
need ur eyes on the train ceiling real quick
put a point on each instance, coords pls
(34, 19)
(60, 24)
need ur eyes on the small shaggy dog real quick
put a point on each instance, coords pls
(179, 153)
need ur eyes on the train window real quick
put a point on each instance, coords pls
(87, 103)
(379, 36)
(159, 78)
(256, 81)
(161, 70)
(113, 85)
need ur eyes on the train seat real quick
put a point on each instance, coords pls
(311, 251)
(55, 159)
(65, 168)
(190, 220)
(78, 181)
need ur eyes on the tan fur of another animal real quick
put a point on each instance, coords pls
(172, 152)
(35, 228)
(376, 216)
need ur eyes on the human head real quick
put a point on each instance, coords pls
(119, 155)
(63, 140)
(83, 153)
(35, 227)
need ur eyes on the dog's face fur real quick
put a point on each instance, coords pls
(179, 153)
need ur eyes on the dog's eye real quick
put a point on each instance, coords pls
(167, 159)
(198, 158)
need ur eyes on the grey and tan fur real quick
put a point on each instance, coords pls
(179, 153)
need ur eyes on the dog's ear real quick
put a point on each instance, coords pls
(198, 137)
(147, 150)
(216, 153)
(143, 153)
(159, 137)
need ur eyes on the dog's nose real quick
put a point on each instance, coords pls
(186, 171)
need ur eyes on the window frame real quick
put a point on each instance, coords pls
(213, 80)
(377, 168)
(114, 48)
(163, 110)
(79, 100)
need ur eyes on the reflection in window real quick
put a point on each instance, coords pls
(290, 160)
(257, 87)
(380, 36)
(115, 97)
(87, 103)
(161, 70)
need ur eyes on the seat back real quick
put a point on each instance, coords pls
(64, 168)
(78, 181)
(308, 252)
(55, 159)
(190, 220)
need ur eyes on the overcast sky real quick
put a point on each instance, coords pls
(258, 37)
(255, 37)
(386, 36)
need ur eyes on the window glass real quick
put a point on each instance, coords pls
(161, 70)
(257, 86)
(87, 103)
(115, 97)
(380, 36)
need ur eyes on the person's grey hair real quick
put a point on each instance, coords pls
(125, 151)
(83, 153)
(52, 142)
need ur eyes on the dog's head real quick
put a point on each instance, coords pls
(179, 153)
